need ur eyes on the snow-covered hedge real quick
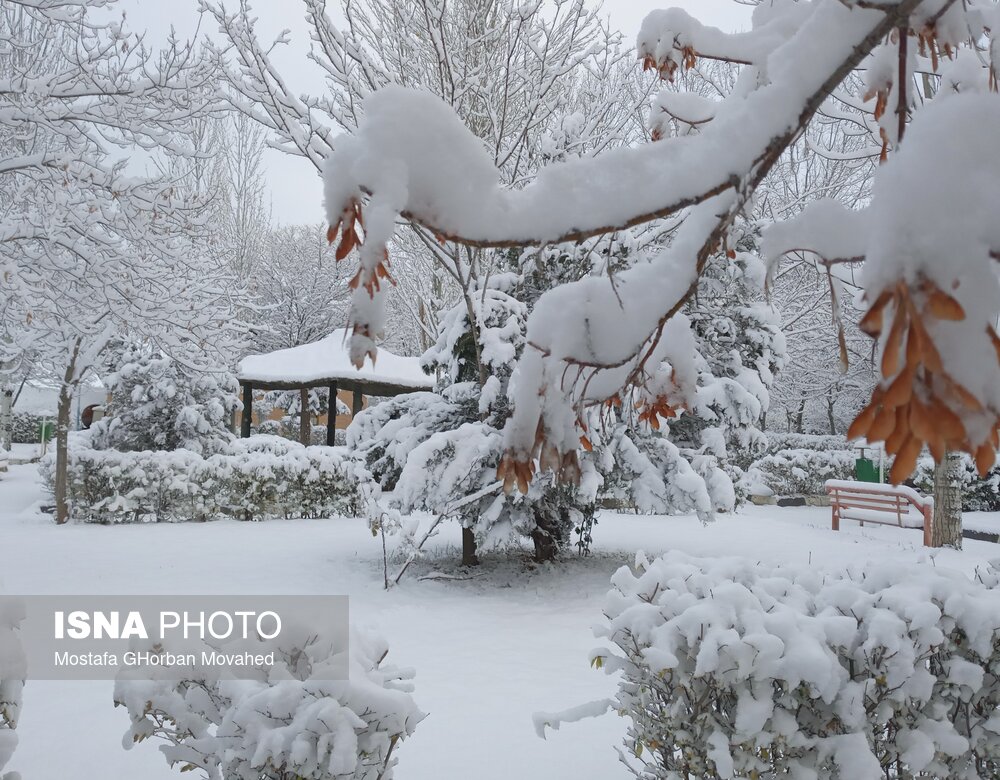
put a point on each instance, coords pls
(979, 494)
(12, 673)
(777, 441)
(263, 477)
(290, 723)
(733, 669)
(26, 427)
(805, 441)
(801, 471)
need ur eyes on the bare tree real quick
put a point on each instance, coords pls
(89, 248)
(513, 72)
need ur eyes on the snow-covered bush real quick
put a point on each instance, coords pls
(26, 427)
(156, 405)
(287, 723)
(261, 477)
(801, 472)
(804, 441)
(12, 675)
(732, 669)
(979, 494)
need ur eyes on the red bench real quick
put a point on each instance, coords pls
(872, 502)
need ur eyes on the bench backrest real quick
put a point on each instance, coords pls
(876, 496)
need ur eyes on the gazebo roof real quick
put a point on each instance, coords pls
(326, 361)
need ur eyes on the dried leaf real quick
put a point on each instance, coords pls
(347, 243)
(871, 323)
(986, 458)
(929, 355)
(863, 422)
(944, 307)
(883, 426)
(906, 460)
(946, 422)
(937, 447)
(890, 357)
(900, 433)
(901, 389)
(921, 423)
(969, 401)
(996, 341)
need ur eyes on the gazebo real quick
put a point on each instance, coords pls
(326, 363)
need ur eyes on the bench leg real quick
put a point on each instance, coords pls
(836, 517)
(928, 525)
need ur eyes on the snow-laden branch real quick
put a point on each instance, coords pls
(413, 157)
(444, 179)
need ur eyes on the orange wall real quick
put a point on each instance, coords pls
(343, 420)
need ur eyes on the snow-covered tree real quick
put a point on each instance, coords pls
(89, 249)
(298, 289)
(522, 76)
(928, 276)
(157, 405)
(440, 449)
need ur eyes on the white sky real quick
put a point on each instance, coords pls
(296, 193)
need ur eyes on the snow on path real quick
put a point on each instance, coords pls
(488, 651)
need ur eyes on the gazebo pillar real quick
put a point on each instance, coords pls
(247, 415)
(331, 416)
(305, 420)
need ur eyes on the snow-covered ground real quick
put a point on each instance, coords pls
(489, 651)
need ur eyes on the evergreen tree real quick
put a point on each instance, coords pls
(156, 404)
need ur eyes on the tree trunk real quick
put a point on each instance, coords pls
(61, 487)
(62, 454)
(829, 414)
(947, 528)
(549, 533)
(6, 418)
(546, 546)
(469, 557)
(800, 416)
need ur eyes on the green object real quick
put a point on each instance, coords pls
(45, 430)
(865, 470)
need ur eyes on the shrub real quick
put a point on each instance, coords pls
(287, 723)
(804, 441)
(733, 669)
(12, 675)
(801, 471)
(774, 442)
(263, 476)
(979, 494)
(26, 427)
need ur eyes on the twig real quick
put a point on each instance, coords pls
(449, 510)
